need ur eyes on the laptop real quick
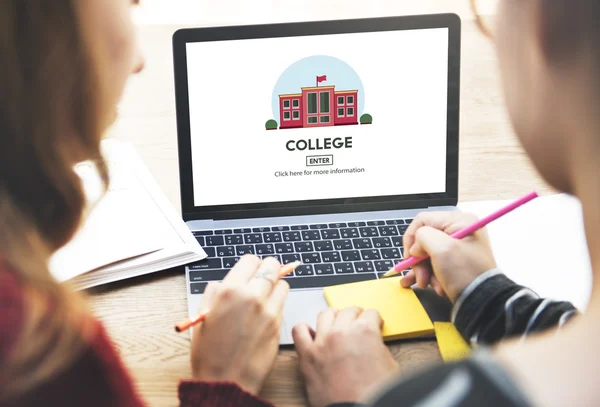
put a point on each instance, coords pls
(315, 141)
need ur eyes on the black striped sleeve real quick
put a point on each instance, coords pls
(494, 307)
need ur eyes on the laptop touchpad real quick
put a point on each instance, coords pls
(301, 306)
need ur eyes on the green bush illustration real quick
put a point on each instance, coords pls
(271, 124)
(366, 119)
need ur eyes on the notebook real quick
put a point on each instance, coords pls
(130, 231)
(402, 313)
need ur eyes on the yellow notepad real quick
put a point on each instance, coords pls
(451, 343)
(402, 313)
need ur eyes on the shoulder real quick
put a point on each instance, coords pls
(11, 308)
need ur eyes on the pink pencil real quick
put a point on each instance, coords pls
(411, 261)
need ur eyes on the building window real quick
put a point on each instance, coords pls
(286, 115)
(324, 102)
(341, 112)
(324, 119)
(312, 119)
(350, 100)
(340, 100)
(296, 115)
(286, 104)
(311, 103)
(296, 103)
(350, 112)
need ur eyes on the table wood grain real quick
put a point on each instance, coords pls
(140, 313)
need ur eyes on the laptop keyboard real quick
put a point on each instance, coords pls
(334, 253)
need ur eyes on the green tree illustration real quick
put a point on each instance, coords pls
(366, 119)
(271, 124)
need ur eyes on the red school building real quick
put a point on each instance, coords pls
(318, 106)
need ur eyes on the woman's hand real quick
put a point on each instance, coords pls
(453, 263)
(239, 339)
(345, 358)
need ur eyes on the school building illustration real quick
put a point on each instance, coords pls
(318, 106)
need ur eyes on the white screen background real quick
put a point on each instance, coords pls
(404, 76)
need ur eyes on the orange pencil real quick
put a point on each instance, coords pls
(201, 316)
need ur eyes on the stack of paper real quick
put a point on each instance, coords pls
(133, 229)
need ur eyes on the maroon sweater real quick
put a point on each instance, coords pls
(97, 378)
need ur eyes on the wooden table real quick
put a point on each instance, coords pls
(140, 313)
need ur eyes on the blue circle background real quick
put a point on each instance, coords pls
(303, 73)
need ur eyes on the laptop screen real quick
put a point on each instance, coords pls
(318, 117)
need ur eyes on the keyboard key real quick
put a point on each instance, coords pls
(234, 239)
(244, 230)
(382, 242)
(384, 265)
(197, 288)
(390, 254)
(223, 251)
(369, 232)
(291, 236)
(331, 257)
(229, 262)
(311, 258)
(345, 244)
(323, 245)
(408, 221)
(362, 243)
(326, 281)
(210, 251)
(290, 258)
(321, 269)
(350, 255)
(304, 270)
(261, 230)
(319, 226)
(330, 234)
(302, 247)
(202, 232)
(376, 223)
(370, 254)
(397, 241)
(299, 227)
(402, 228)
(275, 256)
(253, 238)
(343, 268)
(337, 225)
(388, 231)
(215, 241)
(209, 275)
(200, 240)
(349, 233)
(280, 228)
(356, 224)
(273, 237)
(364, 267)
(284, 248)
(311, 235)
(395, 222)
(244, 249)
(223, 232)
(265, 249)
(206, 264)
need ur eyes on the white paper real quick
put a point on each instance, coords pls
(117, 227)
(146, 219)
(542, 245)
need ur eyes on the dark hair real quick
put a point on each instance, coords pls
(570, 27)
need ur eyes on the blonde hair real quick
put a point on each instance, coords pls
(50, 100)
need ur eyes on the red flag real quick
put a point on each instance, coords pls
(321, 78)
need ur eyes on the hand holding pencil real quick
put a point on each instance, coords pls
(457, 245)
(239, 337)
